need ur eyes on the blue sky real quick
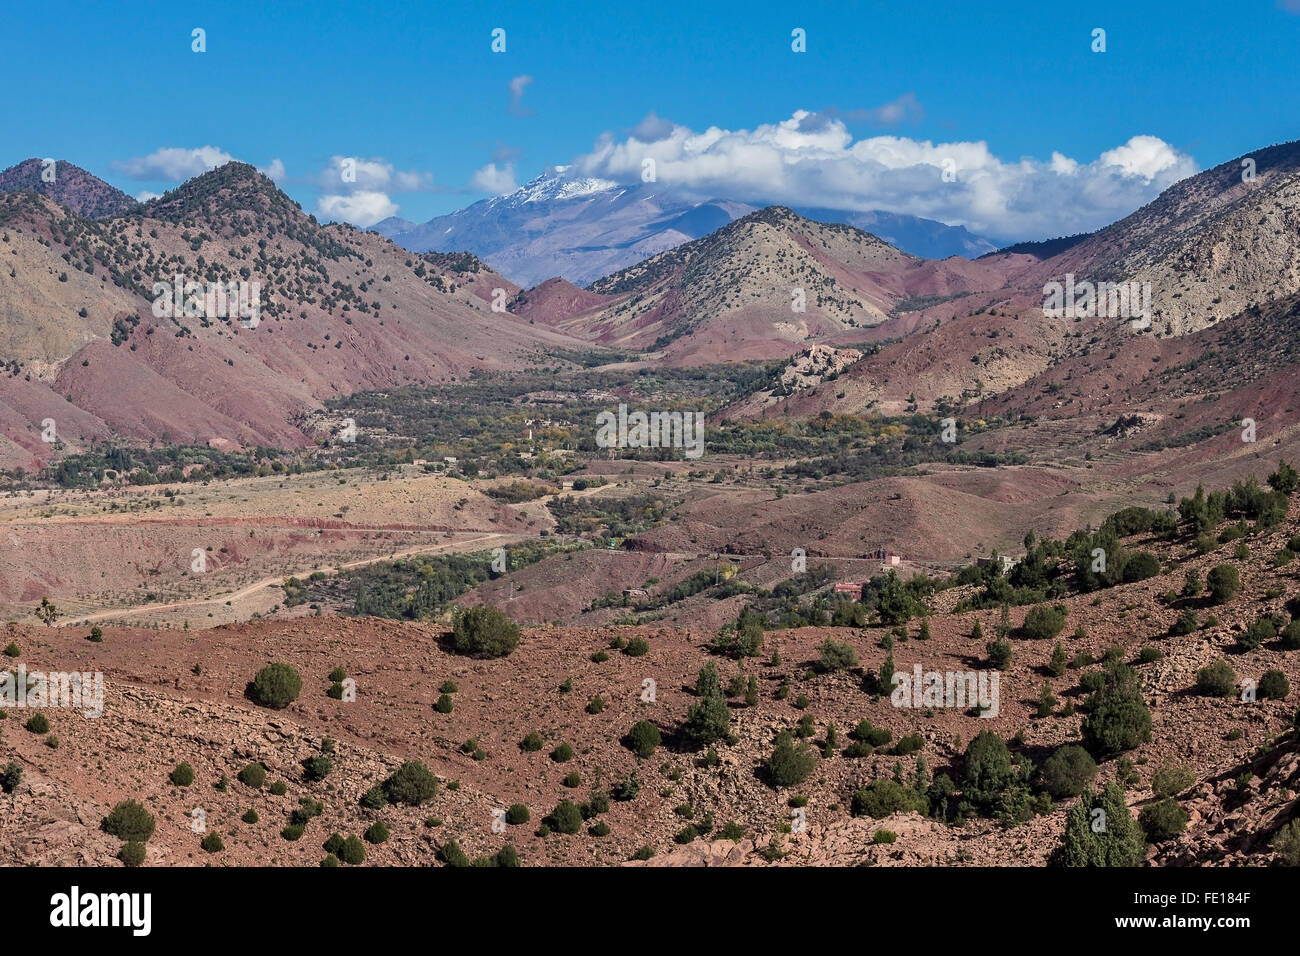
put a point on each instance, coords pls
(415, 88)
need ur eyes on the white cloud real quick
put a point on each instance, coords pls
(517, 87)
(144, 196)
(356, 174)
(362, 208)
(172, 164)
(494, 179)
(274, 170)
(811, 160)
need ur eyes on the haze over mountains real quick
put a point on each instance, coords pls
(582, 228)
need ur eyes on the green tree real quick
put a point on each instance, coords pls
(1100, 831)
(986, 772)
(790, 764)
(1067, 772)
(484, 631)
(1224, 582)
(1117, 718)
(276, 685)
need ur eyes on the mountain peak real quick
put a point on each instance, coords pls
(232, 187)
(68, 185)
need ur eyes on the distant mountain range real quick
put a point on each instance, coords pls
(582, 229)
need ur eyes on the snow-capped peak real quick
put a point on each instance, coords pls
(556, 186)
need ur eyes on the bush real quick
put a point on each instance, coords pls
(562, 754)
(1217, 679)
(132, 853)
(443, 705)
(1187, 622)
(412, 784)
(884, 836)
(276, 686)
(253, 775)
(1140, 566)
(573, 779)
(251, 816)
(1286, 844)
(354, 852)
(837, 657)
(1118, 843)
(37, 724)
(882, 798)
(1149, 655)
(873, 736)
(1118, 718)
(637, 647)
(1043, 621)
(1171, 779)
(1263, 629)
(316, 768)
(484, 631)
(1067, 772)
(376, 833)
(10, 777)
(278, 788)
(183, 775)
(1273, 685)
(212, 843)
(337, 675)
(643, 738)
(643, 853)
(334, 844)
(908, 745)
(507, 856)
(129, 821)
(566, 817)
(517, 814)
(1163, 820)
(987, 771)
(790, 764)
(330, 861)
(1291, 636)
(1224, 583)
(596, 705)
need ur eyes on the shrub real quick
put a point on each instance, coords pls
(637, 647)
(562, 753)
(644, 853)
(517, 814)
(566, 817)
(253, 775)
(1067, 772)
(10, 777)
(1171, 779)
(132, 853)
(276, 686)
(354, 852)
(1224, 583)
(12, 650)
(884, 836)
(531, 744)
(338, 674)
(1163, 820)
(837, 657)
(1118, 843)
(37, 724)
(251, 816)
(330, 861)
(1273, 685)
(129, 821)
(183, 775)
(212, 843)
(874, 736)
(1140, 566)
(1291, 636)
(643, 738)
(376, 833)
(1263, 629)
(1043, 621)
(882, 798)
(278, 788)
(507, 856)
(790, 764)
(1149, 655)
(1118, 718)
(334, 844)
(316, 768)
(1286, 844)
(443, 705)
(999, 654)
(1092, 681)
(1186, 623)
(484, 631)
(687, 834)
(1056, 664)
(293, 832)
(987, 770)
(600, 829)
(573, 779)
(412, 783)
(1217, 679)
(596, 705)
(908, 745)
